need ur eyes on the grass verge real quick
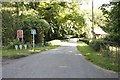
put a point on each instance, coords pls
(13, 54)
(96, 57)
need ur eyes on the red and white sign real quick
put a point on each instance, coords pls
(19, 33)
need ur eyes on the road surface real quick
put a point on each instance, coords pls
(62, 62)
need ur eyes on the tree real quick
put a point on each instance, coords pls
(8, 22)
(49, 18)
(113, 19)
(40, 25)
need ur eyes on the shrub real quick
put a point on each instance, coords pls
(95, 44)
(84, 40)
(113, 38)
(12, 44)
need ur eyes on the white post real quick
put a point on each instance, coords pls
(33, 42)
(16, 47)
(25, 46)
(20, 46)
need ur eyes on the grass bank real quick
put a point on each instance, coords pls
(13, 54)
(96, 57)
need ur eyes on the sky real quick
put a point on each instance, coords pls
(97, 3)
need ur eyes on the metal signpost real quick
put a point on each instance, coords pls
(33, 32)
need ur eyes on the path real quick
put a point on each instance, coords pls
(62, 62)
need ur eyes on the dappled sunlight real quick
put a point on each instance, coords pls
(31, 50)
(88, 54)
(72, 42)
(78, 54)
(82, 44)
(55, 49)
(98, 54)
(55, 42)
(34, 50)
(70, 51)
(63, 66)
(18, 53)
(112, 48)
(68, 44)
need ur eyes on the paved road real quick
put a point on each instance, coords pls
(62, 62)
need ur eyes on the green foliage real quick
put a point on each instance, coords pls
(8, 27)
(96, 58)
(113, 21)
(113, 38)
(87, 41)
(13, 54)
(95, 44)
(40, 25)
(50, 19)
(13, 43)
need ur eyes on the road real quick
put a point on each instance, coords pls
(62, 62)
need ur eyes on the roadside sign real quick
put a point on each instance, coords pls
(33, 31)
(19, 33)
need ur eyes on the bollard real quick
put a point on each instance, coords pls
(16, 47)
(25, 46)
(20, 46)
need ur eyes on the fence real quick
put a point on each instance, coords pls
(112, 51)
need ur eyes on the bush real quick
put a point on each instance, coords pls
(113, 38)
(16, 42)
(95, 44)
(84, 40)
(12, 44)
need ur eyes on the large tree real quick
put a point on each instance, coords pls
(113, 21)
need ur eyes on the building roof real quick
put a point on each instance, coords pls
(98, 30)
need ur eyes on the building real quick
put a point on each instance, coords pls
(99, 33)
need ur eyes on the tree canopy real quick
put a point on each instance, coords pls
(52, 20)
(111, 13)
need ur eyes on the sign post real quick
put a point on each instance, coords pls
(33, 32)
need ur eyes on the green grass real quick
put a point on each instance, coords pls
(12, 53)
(96, 57)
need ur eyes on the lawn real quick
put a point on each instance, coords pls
(12, 53)
(96, 57)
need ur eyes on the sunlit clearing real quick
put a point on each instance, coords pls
(68, 44)
(74, 40)
(55, 42)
